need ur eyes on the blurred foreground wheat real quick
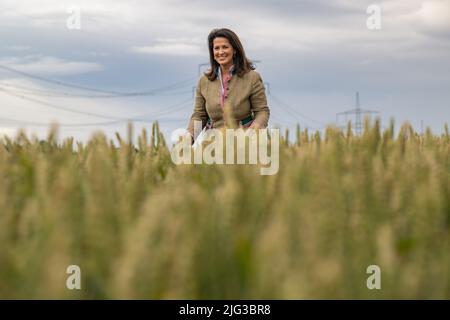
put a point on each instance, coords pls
(140, 227)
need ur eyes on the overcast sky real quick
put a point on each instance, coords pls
(314, 55)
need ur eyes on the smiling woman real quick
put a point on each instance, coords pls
(231, 80)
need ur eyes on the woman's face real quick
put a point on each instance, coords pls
(223, 51)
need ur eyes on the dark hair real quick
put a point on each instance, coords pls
(242, 65)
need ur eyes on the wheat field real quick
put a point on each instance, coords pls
(139, 226)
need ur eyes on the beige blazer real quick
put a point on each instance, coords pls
(246, 96)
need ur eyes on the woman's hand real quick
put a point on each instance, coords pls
(255, 125)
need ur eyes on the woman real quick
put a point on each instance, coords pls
(231, 81)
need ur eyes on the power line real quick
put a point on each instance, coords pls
(74, 125)
(49, 105)
(57, 82)
(140, 118)
(167, 110)
(50, 93)
(298, 120)
(291, 110)
(110, 93)
(294, 112)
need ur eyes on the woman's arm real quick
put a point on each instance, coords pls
(259, 103)
(199, 113)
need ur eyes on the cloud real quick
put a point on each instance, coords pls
(47, 65)
(296, 26)
(433, 17)
(173, 47)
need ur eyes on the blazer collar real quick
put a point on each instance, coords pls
(233, 71)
